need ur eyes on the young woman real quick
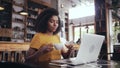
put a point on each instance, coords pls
(42, 45)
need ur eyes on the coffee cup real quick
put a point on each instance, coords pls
(58, 46)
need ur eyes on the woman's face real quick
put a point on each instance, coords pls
(53, 24)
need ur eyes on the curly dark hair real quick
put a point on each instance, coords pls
(43, 18)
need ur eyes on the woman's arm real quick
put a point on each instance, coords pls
(34, 54)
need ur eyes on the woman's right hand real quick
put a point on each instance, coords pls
(46, 48)
(33, 55)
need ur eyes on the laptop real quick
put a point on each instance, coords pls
(88, 52)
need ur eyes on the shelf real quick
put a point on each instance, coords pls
(32, 4)
(17, 13)
(31, 26)
(33, 9)
(31, 18)
(18, 38)
(18, 31)
(17, 20)
(20, 27)
(30, 32)
(20, 5)
(5, 32)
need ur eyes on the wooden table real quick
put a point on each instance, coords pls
(98, 64)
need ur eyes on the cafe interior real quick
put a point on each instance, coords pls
(78, 17)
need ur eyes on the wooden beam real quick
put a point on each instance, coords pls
(42, 2)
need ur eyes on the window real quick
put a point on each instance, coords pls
(82, 11)
(76, 33)
(81, 30)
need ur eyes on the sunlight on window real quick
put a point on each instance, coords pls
(81, 11)
(91, 29)
(77, 31)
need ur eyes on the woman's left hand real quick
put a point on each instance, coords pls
(70, 45)
(69, 50)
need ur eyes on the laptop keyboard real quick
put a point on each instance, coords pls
(64, 61)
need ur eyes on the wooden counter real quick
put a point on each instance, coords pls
(13, 52)
(13, 46)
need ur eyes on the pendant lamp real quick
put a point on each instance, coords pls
(1, 6)
(24, 12)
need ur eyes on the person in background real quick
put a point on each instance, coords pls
(78, 41)
(118, 37)
(42, 45)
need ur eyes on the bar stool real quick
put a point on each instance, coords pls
(20, 56)
(6, 56)
(0, 55)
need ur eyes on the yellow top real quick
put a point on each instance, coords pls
(41, 39)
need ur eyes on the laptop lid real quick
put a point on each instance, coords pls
(88, 52)
(89, 48)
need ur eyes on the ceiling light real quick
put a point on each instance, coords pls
(62, 5)
(1, 6)
(23, 12)
(73, 5)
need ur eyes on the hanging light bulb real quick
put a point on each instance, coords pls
(71, 23)
(62, 5)
(23, 12)
(1, 6)
(87, 27)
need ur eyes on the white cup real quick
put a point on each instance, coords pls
(58, 46)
